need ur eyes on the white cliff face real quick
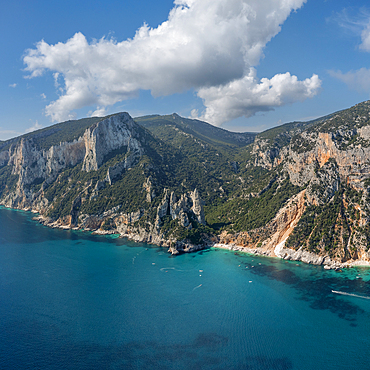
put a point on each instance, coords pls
(108, 135)
(189, 205)
(197, 206)
(35, 165)
(30, 163)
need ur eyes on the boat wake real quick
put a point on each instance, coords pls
(170, 268)
(197, 287)
(350, 294)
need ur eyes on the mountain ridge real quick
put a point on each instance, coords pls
(297, 191)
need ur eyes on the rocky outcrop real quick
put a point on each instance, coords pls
(274, 233)
(113, 133)
(183, 247)
(148, 187)
(197, 206)
(32, 164)
(188, 207)
(119, 169)
(115, 176)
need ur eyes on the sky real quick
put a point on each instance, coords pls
(243, 65)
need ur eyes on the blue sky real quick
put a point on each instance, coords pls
(244, 65)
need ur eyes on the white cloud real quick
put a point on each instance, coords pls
(34, 127)
(13, 85)
(356, 80)
(247, 96)
(204, 45)
(43, 96)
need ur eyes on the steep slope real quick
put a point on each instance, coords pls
(113, 176)
(298, 191)
(329, 160)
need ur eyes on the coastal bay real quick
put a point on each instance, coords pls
(72, 300)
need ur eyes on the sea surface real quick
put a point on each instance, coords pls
(71, 300)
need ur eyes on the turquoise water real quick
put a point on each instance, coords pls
(69, 300)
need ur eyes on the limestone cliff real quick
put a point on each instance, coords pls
(105, 180)
(298, 191)
(330, 160)
(108, 135)
(32, 165)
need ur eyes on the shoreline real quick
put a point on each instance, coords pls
(278, 252)
(327, 264)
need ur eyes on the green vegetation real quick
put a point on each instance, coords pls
(160, 125)
(247, 214)
(330, 226)
(54, 135)
(242, 190)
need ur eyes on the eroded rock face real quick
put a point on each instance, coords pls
(30, 163)
(265, 239)
(197, 206)
(189, 206)
(108, 135)
(324, 164)
(33, 165)
(352, 163)
(179, 209)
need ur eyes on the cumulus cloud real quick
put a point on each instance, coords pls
(13, 85)
(247, 96)
(205, 45)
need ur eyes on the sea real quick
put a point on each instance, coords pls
(73, 300)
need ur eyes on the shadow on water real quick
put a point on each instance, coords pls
(317, 291)
(207, 351)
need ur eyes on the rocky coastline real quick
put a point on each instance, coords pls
(299, 256)
(179, 247)
(175, 247)
(300, 192)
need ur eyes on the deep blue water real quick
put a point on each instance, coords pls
(69, 300)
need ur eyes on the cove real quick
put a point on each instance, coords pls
(71, 300)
